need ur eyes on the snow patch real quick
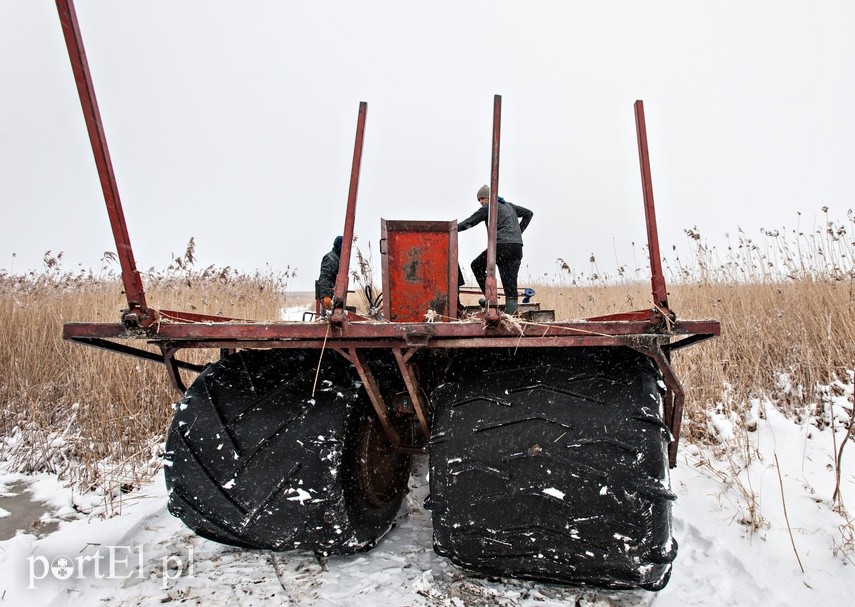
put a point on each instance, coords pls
(554, 493)
(294, 313)
(302, 496)
(721, 561)
(720, 425)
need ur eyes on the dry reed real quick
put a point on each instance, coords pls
(90, 415)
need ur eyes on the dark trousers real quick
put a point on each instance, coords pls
(508, 260)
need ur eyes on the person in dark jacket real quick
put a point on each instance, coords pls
(325, 285)
(511, 222)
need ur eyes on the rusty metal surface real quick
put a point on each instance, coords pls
(339, 315)
(131, 280)
(674, 397)
(657, 277)
(357, 358)
(413, 389)
(537, 315)
(410, 336)
(490, 291)
(390, 332)
(648, 315)
(179, 316)
(172, 368)
(419, 269)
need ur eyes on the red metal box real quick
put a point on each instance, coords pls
(419, 269)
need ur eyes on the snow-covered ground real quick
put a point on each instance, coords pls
(747, 521)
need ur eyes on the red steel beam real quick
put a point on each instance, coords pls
(86, 91)
(369, 382)
(657, 278)
(339, 315)
(342, 345)
(392, 333)
(490, 289)
(674, 397)
(412, 383)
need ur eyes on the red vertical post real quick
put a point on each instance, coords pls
(490, 288)
(657, 278)
(86, 91)
(341, 282)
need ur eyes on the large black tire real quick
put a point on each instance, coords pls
(253, 460)
(552, 465)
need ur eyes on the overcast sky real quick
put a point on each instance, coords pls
(233, 122)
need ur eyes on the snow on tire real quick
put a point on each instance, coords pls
(552, 465)
(255, 460)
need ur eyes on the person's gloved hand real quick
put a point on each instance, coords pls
(326, 302)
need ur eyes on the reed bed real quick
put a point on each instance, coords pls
(93, 416)
(781, 340)
(785, 303)
(784, 300)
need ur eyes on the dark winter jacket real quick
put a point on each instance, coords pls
(329, 271)
(508, 229)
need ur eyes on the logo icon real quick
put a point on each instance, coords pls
(62, 567)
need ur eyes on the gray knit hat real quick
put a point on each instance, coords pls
(483, 192)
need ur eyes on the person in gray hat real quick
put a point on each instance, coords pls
(512, 220)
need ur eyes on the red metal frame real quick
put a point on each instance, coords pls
(657, 277)
(654, 332)
(339, 315)
(490, 291)
(138, 312)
